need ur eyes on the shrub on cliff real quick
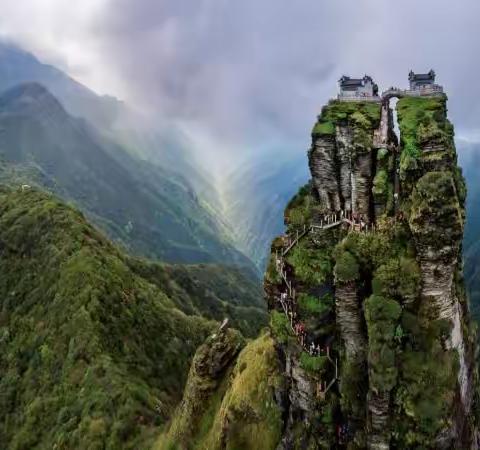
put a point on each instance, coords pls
(314, 306)
(398, 278)
(271, 272)
(313, 364)
(382, 315)
(311, 264)
(346, 267)
(300, 209)
(436, 214)
(361, 115)
(323, 128)
(280, 326)
(424, 127)
(380, 183)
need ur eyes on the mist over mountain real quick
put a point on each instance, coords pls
(18, 66)
(255, 196)
(154, 211)
(469, 157)
(249, 201)
(143, 137)
(157, 160)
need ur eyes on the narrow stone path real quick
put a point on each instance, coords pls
(288, 299)
(327, 222)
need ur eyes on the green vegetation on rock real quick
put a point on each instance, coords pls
(380, 186)
(423, 124)
(398, 278)
(205, 388)
(300, 209)
(436, 214)
(311, 265)
(382, 316)
(311, 306)
(361, 114)
(363, 117)
(271, 272)
(420, 118)
(314, 364)
(322, 128)
(280, 326)
(242, 414)
(427, 373)
(346, 267)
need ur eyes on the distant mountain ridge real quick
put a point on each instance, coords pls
(18, 66)
(158, 143)
(155, 212)
(157, 158)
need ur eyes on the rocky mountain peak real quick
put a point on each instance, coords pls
(34, 100)
(366, 288)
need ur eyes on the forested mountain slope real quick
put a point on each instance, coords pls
(92, 353)
(210, 290)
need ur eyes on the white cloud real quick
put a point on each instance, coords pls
(60, 32)
(250, 73)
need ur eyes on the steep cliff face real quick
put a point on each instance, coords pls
(379, 231)
(341, 158)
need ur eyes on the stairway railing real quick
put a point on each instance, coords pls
(330, 222)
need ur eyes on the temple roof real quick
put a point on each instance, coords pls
(352, 82)
(347, 82)
(430, 76)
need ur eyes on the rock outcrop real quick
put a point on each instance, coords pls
(342, 157)
(233, 398)
(350, 320)
(324, 165)
(208, 369)
(398, 323)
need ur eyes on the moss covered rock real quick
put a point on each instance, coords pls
(241, 413)
(399, 325)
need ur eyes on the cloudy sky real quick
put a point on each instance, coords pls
(250, 76)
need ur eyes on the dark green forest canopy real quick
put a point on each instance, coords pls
(92, 353)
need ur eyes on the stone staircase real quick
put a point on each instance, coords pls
(288, 300)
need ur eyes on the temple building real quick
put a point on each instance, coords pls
(421, 80)
(357, 87)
